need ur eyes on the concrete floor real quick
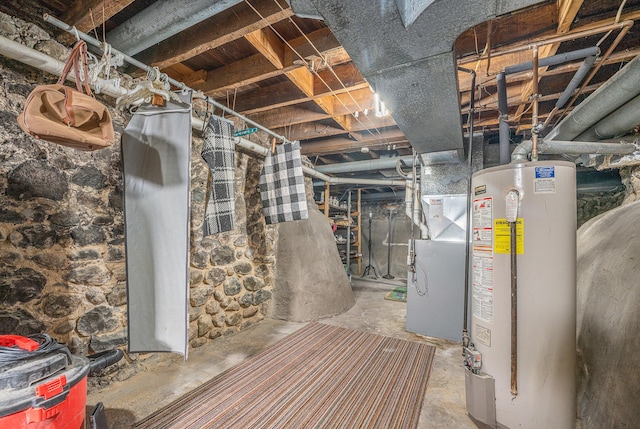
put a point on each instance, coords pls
(444, 406)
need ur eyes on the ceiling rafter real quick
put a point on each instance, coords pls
(227, 26)
(79, 12)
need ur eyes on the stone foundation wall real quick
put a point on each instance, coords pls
(62, 256)
(592, 205)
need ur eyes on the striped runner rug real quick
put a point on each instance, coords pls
(320, 376)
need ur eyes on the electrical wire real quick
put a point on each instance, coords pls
(46, 345)
(312, 70)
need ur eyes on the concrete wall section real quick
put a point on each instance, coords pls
(311, 282)
(607, 326)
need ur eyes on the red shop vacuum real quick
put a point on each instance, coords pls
(42, 385)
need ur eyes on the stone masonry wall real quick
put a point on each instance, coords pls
(62, 255)
(591, 205)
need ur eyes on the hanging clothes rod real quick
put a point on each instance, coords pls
(151, 71)
(44, 62)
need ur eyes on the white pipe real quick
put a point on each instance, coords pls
(557, 147)
(414, 214)
(44, 62)
(367, 165)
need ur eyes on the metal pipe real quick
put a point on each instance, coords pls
(388, 275)
(44, 62)
(568, 36)
(348, 255)
(575, 81)
(622, 87)
(465, 320)
(514, 309)
(72, 30)
(554, 60)
(534, 114)
(619, 121)
(385, 196)
(503, 111)
(571, 87)
(366, 165)
(557, 147)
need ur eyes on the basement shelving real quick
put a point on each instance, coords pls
(346, 226)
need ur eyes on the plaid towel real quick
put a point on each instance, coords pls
(218, 152)
(282, 185)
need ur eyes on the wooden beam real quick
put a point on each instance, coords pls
(276, 96)
(356, 127)
(238, 74)
(349, 76)
(323, 40)
(287, 116)
(303, 79)
(78, 13)
(231, 24)
(268, 44)
(309, 130)
(341, 144)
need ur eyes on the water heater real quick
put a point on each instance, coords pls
(523, 296)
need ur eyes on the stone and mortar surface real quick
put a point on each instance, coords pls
(444, 406)
(62, 254)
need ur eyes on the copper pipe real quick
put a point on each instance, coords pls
(569, 36)
(534, 114)
(488, 45)
(514, 308)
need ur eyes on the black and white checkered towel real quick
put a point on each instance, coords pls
(218, 152)
(282, 185)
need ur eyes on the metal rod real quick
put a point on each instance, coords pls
(503, 112)
(72, 30)
(348, 259)
(370, 269)
(514, 310)
(388, 275)
(467, 248)
(534, 114)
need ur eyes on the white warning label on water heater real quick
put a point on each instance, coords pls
(482, 287)
(483, 224)
(545, 181)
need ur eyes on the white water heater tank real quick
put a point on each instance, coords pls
(545, 207)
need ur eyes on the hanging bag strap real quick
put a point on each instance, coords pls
(78, 61)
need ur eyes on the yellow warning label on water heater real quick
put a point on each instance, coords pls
(502, 236)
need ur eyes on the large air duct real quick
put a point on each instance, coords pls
(162, 20)
(412, 67)
(618, 122)
(617, 91)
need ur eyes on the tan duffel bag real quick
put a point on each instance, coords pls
(60, 114)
